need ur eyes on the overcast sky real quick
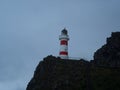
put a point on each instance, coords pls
(29, 31)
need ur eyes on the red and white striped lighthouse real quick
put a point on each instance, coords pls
(64, 44)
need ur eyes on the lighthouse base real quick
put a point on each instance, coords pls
(63, 57)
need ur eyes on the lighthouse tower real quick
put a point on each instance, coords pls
(64, 44)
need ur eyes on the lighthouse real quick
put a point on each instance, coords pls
(63, 44)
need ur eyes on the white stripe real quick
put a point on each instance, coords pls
(64, 56)
(64, 48)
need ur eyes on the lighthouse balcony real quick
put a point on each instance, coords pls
(63, 37)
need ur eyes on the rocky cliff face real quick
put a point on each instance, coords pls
(109, 54)
(102, 73)
(56, 74)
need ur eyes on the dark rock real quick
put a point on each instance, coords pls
(57, 74)
(109, 54)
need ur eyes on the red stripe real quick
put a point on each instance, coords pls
(63, 53)
(64, 42)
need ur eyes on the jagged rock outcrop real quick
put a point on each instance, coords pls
(56, 74)
(109, 54)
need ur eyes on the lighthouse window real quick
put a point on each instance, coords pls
(64, 32)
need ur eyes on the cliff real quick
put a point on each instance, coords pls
(109, 54)
(102, 73)
(56, 74)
